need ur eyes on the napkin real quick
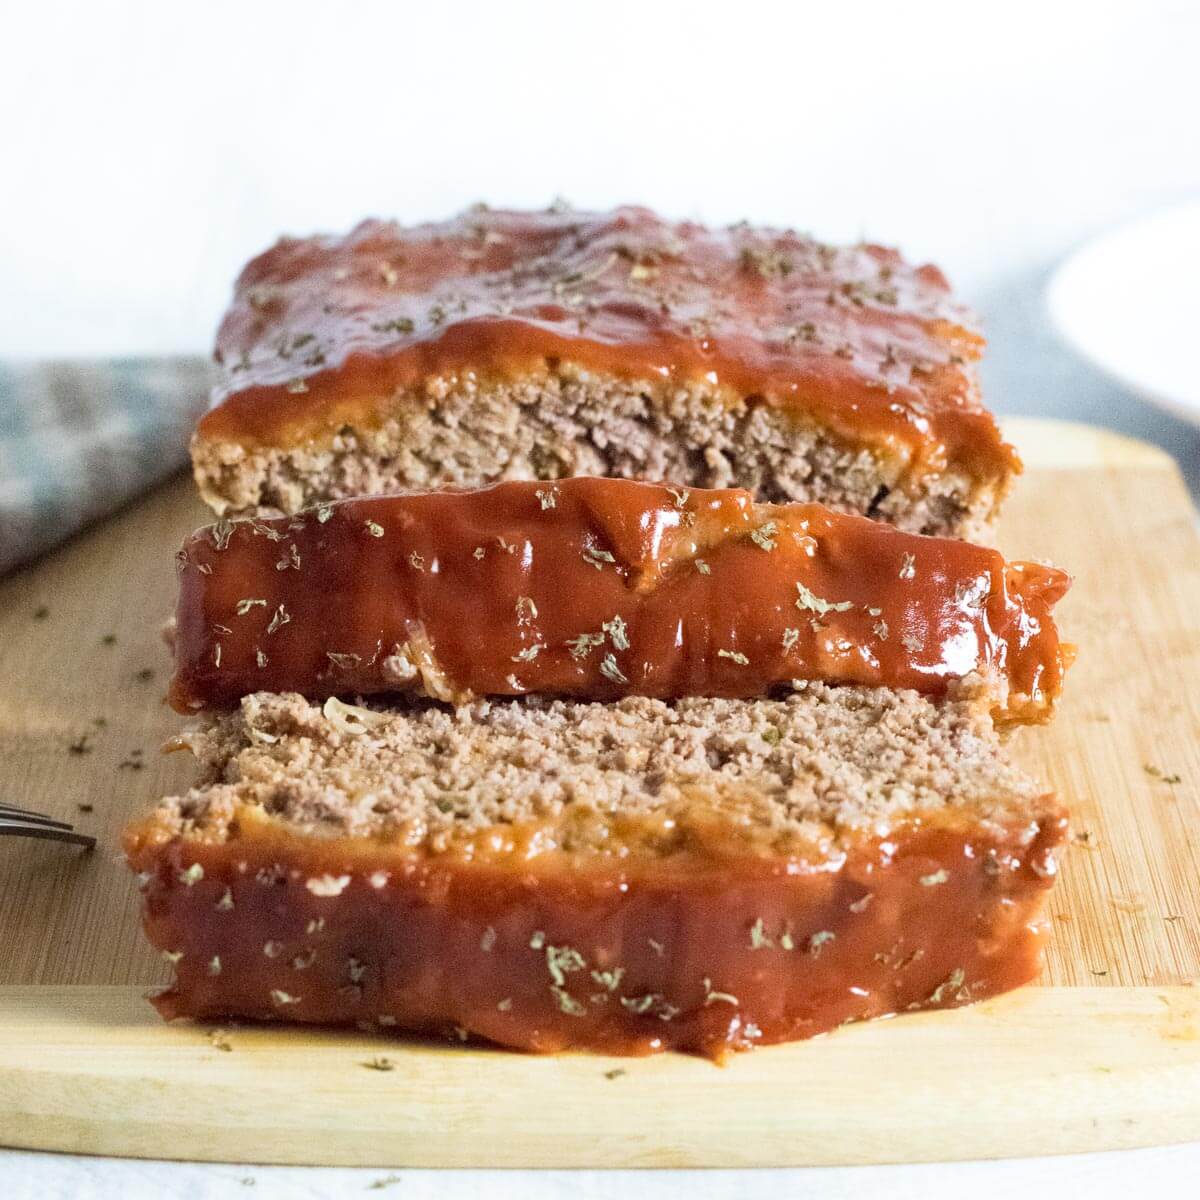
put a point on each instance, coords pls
(80, 439)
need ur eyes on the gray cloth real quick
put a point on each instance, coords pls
(79, 439)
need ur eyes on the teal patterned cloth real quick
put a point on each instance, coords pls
(80, 439)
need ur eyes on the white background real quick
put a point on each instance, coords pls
(147, 149)
(150, 148)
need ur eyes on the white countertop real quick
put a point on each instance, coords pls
(1163, 1171)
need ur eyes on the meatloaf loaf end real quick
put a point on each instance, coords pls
(703, 874)
(517, 345)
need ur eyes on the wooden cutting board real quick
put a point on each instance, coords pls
(1104, 1053)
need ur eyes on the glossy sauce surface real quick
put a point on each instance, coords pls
(324, 330)
(601, 588)
(625, 958)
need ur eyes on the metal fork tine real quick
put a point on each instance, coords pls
(56, 833)
(20, 814)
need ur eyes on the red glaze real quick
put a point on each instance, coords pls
(574, 950)
(676, 593)
(324, 331)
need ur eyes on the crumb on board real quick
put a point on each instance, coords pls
(1158, 773)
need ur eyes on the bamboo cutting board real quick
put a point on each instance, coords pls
(1105, 1053)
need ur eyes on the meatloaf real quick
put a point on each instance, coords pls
(599, 588)
(538, 345)
(703, 874)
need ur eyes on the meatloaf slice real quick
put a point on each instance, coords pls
(704, 874)
(517, 345)
(598, 588)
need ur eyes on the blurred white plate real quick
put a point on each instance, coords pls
(1129, 302)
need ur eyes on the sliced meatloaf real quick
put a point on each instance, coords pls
(599, 588)
(704, 874)
(517, 345)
